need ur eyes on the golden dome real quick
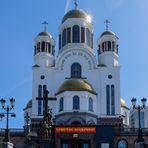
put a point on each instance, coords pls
(107, 33)
(29, 104)
(76, 84)
(76, 13)
(123, 103)
(45, 34)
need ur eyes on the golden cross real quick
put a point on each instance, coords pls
(45, 25)
(107, 22)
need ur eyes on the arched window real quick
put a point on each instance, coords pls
(68, 35)
(64, 38)
(43, 46)
(76, 34)
(90, 104)
(109, 46)
(39, 101)
(76, 70)
(88, 37)
(122, 144)
(61, 104)
(76, 102)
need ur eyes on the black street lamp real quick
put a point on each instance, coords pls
(139, 108)
(7, 109)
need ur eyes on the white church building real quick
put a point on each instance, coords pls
(86, 85)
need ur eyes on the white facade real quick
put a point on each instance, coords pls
(97, 78)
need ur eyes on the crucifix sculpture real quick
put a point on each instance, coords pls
(45, 125)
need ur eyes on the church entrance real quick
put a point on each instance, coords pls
(75, 144)
(75, 136)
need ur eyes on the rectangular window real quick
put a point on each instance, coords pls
(109, 46)
(82, 35)
(35, 50)
(92, 41)
(39, 107)
(60, 41)
(108, 100)
(112, 99)
(64, 145)
(103, 47)
(39, 101)
(64, 38)
(113, 46)
(49, 48)
(38, 47)
(88, 37)
(44, 89)
(43, 46)
(86, 145)
(68, 35)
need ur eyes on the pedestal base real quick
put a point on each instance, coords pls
(39, 143)
(6, 145)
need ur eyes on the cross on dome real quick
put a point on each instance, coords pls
(107, 23)
(76, 4)
(45, 25)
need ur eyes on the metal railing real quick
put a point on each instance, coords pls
(133, 131)
(13, 131)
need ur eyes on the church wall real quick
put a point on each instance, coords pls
(96, 76)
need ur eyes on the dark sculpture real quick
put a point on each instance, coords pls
(45, 126)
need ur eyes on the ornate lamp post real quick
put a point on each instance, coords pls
(7, 109)
(139, 108)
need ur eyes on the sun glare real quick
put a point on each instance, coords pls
(89, 19)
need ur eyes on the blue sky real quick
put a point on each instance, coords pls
(21, 21)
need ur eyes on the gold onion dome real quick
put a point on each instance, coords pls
(75, 84)
(75, 13)
(29, 104)
(107, 33)
(45, 34)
